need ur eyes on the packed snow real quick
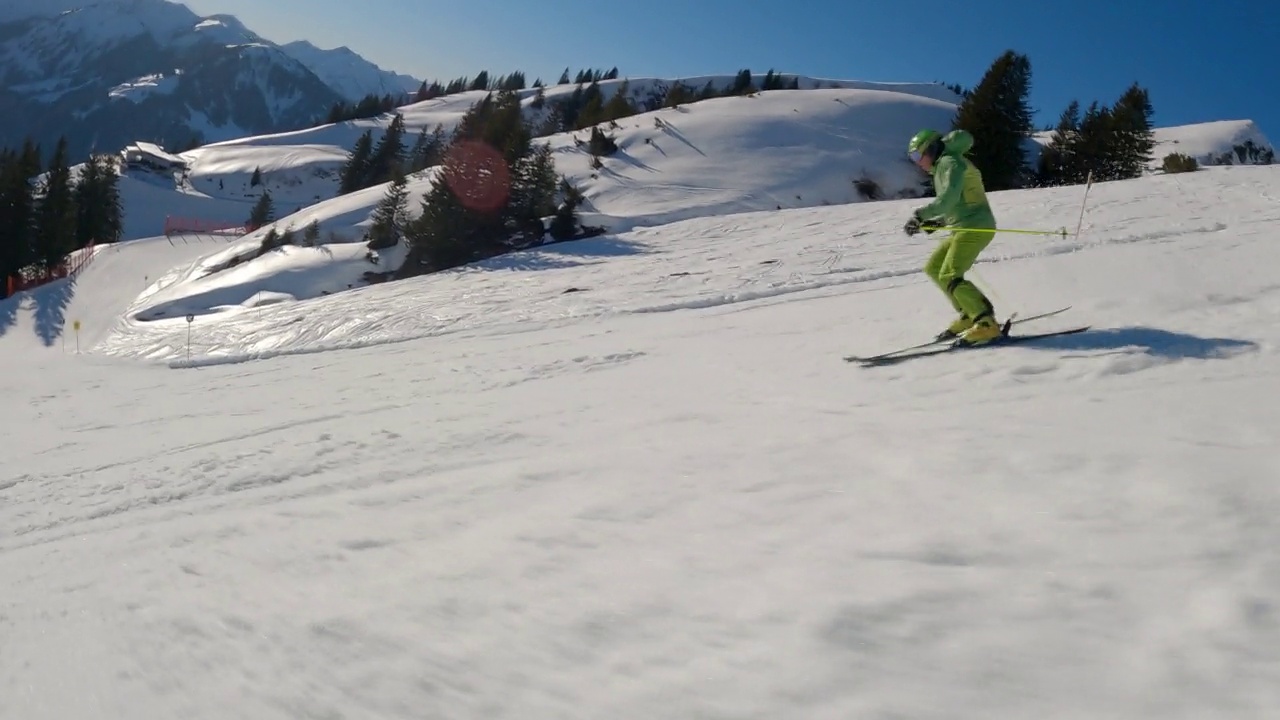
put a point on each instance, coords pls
(631, 477)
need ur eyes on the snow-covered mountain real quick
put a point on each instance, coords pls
(109, 72)
(350, 74)
(11, 10)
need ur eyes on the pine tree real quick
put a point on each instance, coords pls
(256, 180)
(619, 106)
(55, 217)
(17, 209)
(553, 122)
(442, 235)
(1134, 134)
(112, 205)
(490, 142)
(357, 166)
(533, 194)
(742, 84)
(1097, 145)
(678, 94)
(1060, 161)
(504, 128)
(514, 81)
(592, 111)
(601, 144)
(416, 158)
(998, 116)
(387, 157)
(388, 217)
(426, 151)
(99, 212)
(564, 226)
(263, 212)
(311, 236)
(88, 210)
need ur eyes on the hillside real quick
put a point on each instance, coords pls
(1210, 143)
(630, 477)
(302, 165)
(775, 149)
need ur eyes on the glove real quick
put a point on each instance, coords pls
(916, 224)
(913, 225)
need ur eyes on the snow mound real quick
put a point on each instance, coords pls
(1211, 143)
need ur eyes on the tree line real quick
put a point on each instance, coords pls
(373, 105)
(48, 210)
(1113, 142)
(371, 162)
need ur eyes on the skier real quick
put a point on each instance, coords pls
(961, 201)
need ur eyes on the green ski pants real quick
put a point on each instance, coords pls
(948, 264)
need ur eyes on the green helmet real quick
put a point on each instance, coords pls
(921, 141)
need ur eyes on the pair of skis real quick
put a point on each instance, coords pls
(936, 347)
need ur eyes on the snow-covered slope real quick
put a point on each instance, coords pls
(631, 478)
(848, 123)
(780, 148)
(1210, 143)
(148, 200)
(773, 150)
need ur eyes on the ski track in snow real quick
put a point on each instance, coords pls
(664, 494)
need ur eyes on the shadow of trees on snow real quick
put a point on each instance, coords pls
(51, 303)
(9, 313)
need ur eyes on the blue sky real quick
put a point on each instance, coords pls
(1200, 60)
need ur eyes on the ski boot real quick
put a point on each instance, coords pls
(956, 328)
(984, 330)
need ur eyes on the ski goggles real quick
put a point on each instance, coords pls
(915, 155)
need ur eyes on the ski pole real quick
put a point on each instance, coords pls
(1062, 232)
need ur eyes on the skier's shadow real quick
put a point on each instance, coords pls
(1149, 341)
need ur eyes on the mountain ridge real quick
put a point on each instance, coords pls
(70, 68)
